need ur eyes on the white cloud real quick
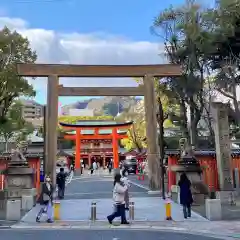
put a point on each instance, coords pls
(78, 48)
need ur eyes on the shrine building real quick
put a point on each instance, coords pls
(96, 140)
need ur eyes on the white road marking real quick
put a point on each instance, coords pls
(139, 185)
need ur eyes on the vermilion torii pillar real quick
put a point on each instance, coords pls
(115, 148)
(78, 149)
(114, 136)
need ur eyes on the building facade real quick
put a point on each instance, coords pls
(32, 110)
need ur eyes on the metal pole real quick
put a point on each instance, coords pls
(93, 211)
(161, 144)
(131, 211)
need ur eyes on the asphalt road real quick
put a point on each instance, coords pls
(97, 187)
(96, 235)
(134, 178)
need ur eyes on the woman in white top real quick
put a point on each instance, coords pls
(119, 200)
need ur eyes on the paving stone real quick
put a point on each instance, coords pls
(146, 209)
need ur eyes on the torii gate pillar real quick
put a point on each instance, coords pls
(152, 133)
(51, 127)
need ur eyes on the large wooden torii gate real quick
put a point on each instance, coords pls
(147, 72)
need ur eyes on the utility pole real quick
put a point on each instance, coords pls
(160, 119)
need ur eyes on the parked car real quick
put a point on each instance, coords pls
(131, 165)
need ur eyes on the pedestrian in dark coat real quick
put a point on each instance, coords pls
(61, 181)
(186, 198)
(46, 200)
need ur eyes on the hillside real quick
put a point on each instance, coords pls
(103, 105)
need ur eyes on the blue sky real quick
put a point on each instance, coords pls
(125, 19)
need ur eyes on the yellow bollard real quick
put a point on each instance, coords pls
(168, 208)
(56, 207)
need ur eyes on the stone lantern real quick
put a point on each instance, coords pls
(19, 180)
(189, 164)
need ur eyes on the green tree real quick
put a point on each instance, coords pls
(75, 119)
(137, 132)
(16, 128)
(13, 49)
(187, 41)
(224, 58)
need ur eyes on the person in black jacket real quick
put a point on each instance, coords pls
(186, 198)
(46, 200)
(61, 179)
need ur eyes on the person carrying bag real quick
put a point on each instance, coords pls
(119, 191)
(46, 200)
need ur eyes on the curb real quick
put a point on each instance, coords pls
(150, 192)
(90, 227)
(5, 227)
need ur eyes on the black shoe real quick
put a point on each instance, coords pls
(125, 223)
(110, 222)
(38, 219)
(49, 221)
(189, 216)
(127, 208)
(185, 217)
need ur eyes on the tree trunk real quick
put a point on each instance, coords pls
(183, 117)
(192, 127)
(236, 105)
(195, 116)
(154, 175)
(161, 144)
(6, 145)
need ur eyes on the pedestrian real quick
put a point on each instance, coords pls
(61, 181)
(98, 167)
(46, 200)
(71, 168)
(91, 168)
(110, 166)
(119, 200)
(94, 167)
(126, 183)
(186, 198)
(82, 166)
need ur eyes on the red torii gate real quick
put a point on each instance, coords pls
(115, 136)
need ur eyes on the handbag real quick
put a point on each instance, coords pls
(46, 197)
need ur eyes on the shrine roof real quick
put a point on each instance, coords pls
(104, 126)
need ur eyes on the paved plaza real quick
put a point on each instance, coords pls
(146, 209)
(149, 220)
(81, 192)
